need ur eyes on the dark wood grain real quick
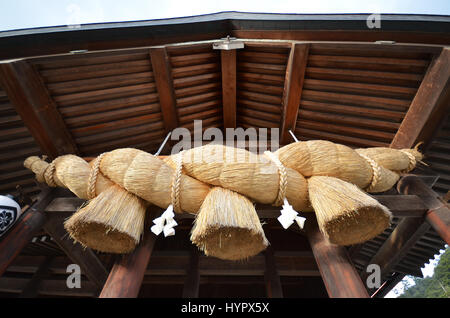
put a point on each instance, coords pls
(89, 263)
(125, 278)
(293, 86)
(431, 96)
(38, 111)
(164, 83)
(228, 60)
(23, 230)
(338, 273)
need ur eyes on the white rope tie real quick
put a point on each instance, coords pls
(288, 214)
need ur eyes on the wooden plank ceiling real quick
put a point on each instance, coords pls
(16, 143)
(354, 94)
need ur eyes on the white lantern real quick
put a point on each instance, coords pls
(10, 212)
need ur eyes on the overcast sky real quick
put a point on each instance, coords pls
(20, 14)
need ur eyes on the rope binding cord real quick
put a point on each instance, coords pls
(166, 222)
(288, 214)
(92, 193)
(376, 173)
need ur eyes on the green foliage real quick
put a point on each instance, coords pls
(437, 286)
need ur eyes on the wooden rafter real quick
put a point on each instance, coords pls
(228, 60)
(89, 263)
(404, 236)
(24, 229)
(293, 85)
(27, 92)
(438, 210)
(164, 83)
(428, 106)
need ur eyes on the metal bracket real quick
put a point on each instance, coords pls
(228, 43)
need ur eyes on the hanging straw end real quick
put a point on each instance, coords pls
(300, 221)
(157, 229)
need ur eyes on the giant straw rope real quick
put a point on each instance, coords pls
(317, 175)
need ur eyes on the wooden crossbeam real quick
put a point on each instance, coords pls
(27, 92)
(438, 213)
(404, 236)
(271, 277)
(337, 270)
(228, 60)
(23, 231)
(410, 230)
(127, 274)
(89, 263)
(399, 205)
(293, 86)
(428, 106)
(162, 73)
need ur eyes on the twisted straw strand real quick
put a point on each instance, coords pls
(283, 178)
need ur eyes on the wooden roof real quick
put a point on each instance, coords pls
(127, 92)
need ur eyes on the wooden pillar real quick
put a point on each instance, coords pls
(429, 105)
(438, 213)
(338, 273)
(271, 277)
(191, 285)
(162, 72)
(293, 86)
(28, 93)
(23, 231)
(127, 274)
(228, 59)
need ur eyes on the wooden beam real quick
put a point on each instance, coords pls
(162, 72)
(89, 263)
(338, 273)
(28, 93)
(399, 205)
(405, 235)
(23, 231)
(438, 214)
(430, 102)
(192, 282)
(47, 287)
(125, 278)
(388, 285)
(271, 277)
(228, 60)
(293, 86)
